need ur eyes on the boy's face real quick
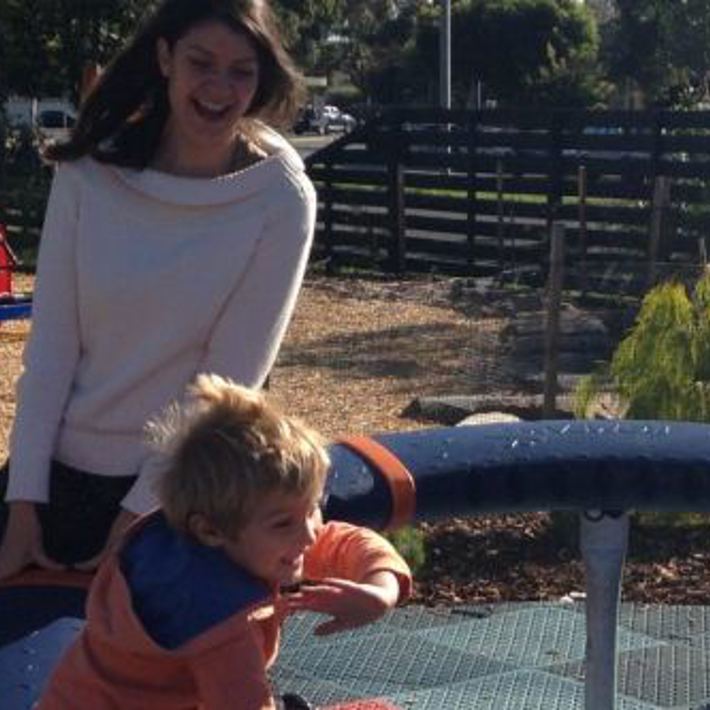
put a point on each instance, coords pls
(271, 545)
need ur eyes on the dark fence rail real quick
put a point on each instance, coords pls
(476, 192)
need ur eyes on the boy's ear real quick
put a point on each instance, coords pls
(204, 531)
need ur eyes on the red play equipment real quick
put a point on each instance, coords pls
(7, 263)
(12, 305)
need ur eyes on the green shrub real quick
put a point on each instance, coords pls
(661, 370)
(409, 542)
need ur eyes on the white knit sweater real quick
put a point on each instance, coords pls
(145, 279)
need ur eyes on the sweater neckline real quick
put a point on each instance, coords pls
(205, 191)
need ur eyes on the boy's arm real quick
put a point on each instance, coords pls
(388, 584)
(360, 577)
(357, 554)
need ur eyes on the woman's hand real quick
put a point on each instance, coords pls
(123, 520)
(350, 604)
(22, 545)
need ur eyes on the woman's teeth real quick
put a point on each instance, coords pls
(211, 111)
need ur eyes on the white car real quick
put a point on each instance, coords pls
(322, 121)
(54, 125)
(335, 119)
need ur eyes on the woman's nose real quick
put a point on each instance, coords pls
(221, 82)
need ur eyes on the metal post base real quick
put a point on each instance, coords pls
(603, 540)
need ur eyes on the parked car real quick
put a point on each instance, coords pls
(322, 121)
(54, 125)
(51, 119)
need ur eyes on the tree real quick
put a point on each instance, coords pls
(64, 36)
(526, 52)
(26, 64)
(604, 10)
(663, 48)
(661, 370)
(306, 25)
(359, 38)
(379, 32)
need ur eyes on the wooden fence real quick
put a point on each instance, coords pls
(477, 192)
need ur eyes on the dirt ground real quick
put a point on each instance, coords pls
(357, 353)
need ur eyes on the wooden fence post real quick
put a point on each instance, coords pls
(500, 224)
(582, 194)
(472, 196)
(552, 316)
(397, 250)
(661, 198)
(554, 195)
(327, 196)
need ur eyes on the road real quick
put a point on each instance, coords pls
(305, 145)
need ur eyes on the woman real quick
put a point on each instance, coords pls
(175, 241)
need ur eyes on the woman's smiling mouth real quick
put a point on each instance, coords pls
(211, 111)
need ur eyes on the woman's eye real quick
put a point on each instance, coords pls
(242, 73)
(200, 64)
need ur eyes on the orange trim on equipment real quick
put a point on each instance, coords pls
(49, 578)
(398, 478)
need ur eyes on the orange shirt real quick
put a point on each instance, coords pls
(114, 663)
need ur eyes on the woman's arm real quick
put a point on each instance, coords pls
(22, 543)
(52, 351)
(246, 338)
(50, 359)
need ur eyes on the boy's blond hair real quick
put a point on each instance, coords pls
(225, 449)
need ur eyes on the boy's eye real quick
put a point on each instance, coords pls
(282, 523)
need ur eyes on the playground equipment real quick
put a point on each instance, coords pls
(12, 306)
(7, 263)
(599, 469)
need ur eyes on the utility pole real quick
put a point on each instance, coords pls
(445, 55)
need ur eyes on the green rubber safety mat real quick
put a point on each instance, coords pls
(507, 656)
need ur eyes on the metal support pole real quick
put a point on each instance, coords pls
(445, 55)
(603, 540)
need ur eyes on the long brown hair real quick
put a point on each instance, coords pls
(122, 119)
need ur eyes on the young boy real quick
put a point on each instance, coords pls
(187, 612)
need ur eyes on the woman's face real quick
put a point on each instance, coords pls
(212, 74)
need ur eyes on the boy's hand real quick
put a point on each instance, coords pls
(123, 520)
(22, 544)
(350, 604)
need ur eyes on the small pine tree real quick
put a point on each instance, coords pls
(661, 370)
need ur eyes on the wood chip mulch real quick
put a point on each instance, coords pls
(358, 351)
